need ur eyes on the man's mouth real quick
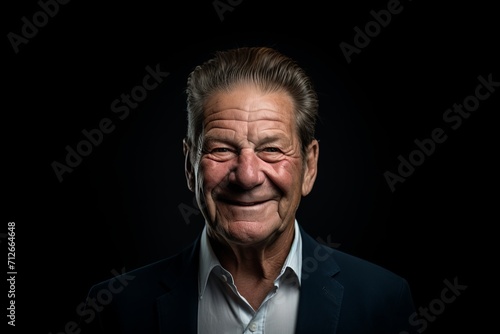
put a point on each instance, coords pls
(242, 203)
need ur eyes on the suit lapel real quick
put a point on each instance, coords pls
(178, 308)
(320, 295)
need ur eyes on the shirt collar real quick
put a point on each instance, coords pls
(209, 261)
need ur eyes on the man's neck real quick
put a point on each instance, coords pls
(254, 268)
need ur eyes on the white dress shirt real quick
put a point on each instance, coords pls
(222, 310)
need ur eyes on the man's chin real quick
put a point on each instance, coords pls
(243, 232)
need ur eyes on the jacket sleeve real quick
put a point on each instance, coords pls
(406, 321)
(90, 314)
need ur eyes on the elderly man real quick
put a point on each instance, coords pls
(250, 156)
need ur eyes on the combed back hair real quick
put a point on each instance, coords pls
(265, 67)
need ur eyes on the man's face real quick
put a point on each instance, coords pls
(250, 175)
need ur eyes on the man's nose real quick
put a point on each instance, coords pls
(247, 172)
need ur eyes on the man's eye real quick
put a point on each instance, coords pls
(272, 150)
(220, 150)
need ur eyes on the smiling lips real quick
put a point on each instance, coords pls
(240, 203)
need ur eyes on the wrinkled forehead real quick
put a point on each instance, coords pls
(247, 102)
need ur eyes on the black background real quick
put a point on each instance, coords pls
(119, 208)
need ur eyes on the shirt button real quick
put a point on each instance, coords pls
(253, 327)
(224, 278)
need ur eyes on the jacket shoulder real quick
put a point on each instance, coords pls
(143, 276)
(130, 298)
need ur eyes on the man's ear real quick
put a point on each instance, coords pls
(188, 166)
(310, 167)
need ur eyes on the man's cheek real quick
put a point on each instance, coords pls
(211, 171)
(215, 177)
(214, 211)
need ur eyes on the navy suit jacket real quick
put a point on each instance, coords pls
(339, 293)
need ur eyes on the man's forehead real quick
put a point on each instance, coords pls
(238, 116)
(248, 108)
